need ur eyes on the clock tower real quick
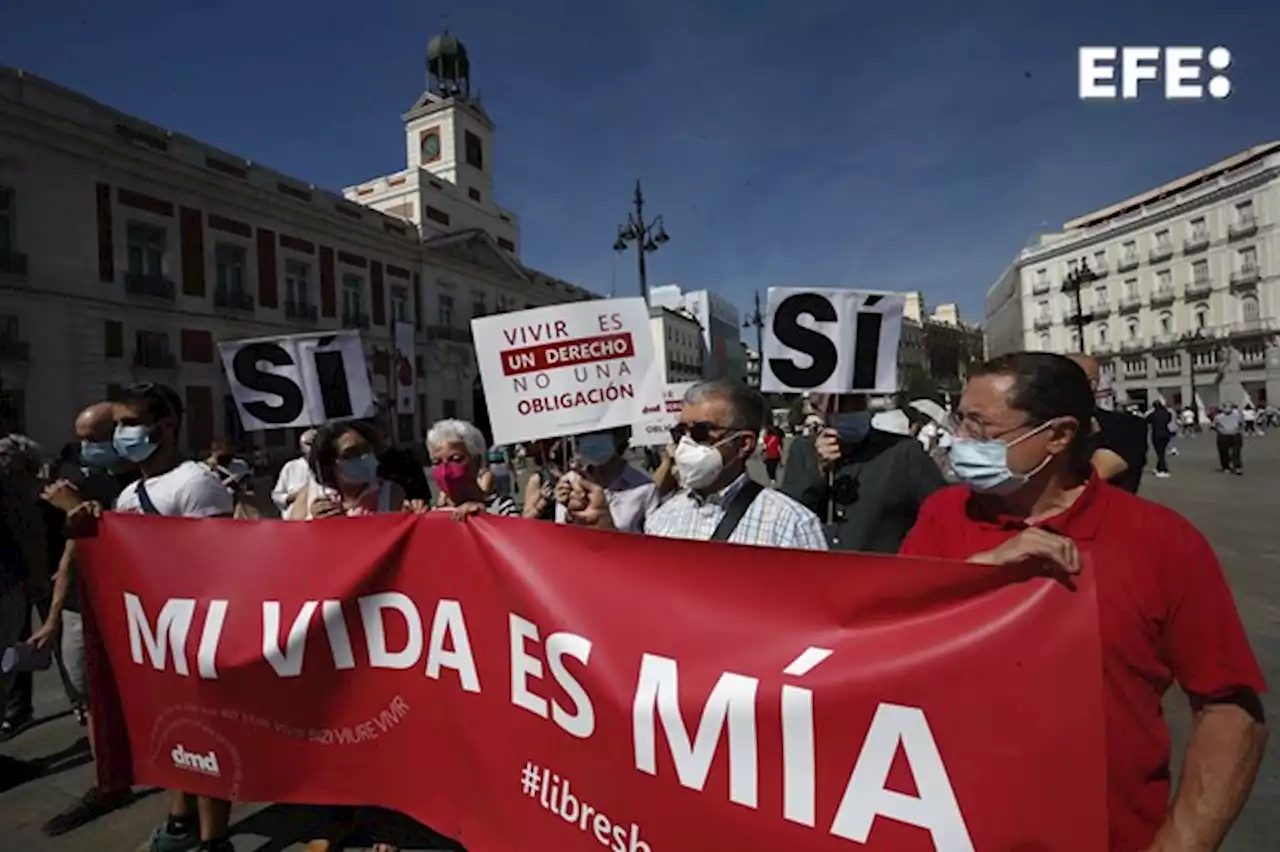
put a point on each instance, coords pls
(447, 131)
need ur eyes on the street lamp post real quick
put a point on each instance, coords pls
(1074, 283)
(755, 320)
(647, 237)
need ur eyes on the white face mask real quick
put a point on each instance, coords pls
(698, 465)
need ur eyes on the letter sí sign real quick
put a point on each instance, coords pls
(566, 369)
(893, 704)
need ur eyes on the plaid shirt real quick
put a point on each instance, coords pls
(772, 520)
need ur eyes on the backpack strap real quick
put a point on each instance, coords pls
(147, 505)
(737, 507)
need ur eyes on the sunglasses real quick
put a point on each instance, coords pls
(700, 432)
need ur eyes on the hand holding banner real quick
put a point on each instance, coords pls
(791, 701)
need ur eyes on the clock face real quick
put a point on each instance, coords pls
(430, 146)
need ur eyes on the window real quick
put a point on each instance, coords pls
(445, 312)
(1200, 271)
(1131, 288)
(1249, 308)
(1130, 251)
(1044, 309)
(229, 263)
(352, 296)
(8, 230)
(1073, 266)
(1099, 260)
(1044, 343)
(1075, 341)
(1100, 293)
(479, 303)
(449, 408)
(474, 150)
(196, 345)
(399, 304)
(1042, 276)
(1166, 323)
(297, 282)
(113, 339)
(1102, 334)
(438, 216)
(1131, 328)
(1162, 239)
(153, 344)
(1164, 280)
(1244, 213)
(1199, 230)
(1248, 258)
(146, 250)
(473, 193)
(1202, 316)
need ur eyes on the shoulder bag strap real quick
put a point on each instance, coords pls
(144, 499)
(736, 509)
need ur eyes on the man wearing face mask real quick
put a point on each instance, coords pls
(716, 435)
(631, 495)
(868, 482)
(1031, 500)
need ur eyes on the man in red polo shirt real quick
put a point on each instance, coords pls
(1165, 611)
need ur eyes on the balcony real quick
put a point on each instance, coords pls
(1042, 322)
(1207, 362)
(154, 358)
(1129, 304)
(14, 350)
(1136, 368)
(1246, 276)
(1246, 226)
(1198, 287)
(1126, 263)
(13, 263)
(355, 319)
(1169, 369)
(1040, 287)
(1101, 349)
(304, 311)
(449, 333)
(1101, 309)
(1164, 341)
(232, 298)
(1162, 296)
(145, 284)
(1133, 344)
(1195, 243)
(1252, 328)
(1254, 358)
(1099, 269)
(1161, 253)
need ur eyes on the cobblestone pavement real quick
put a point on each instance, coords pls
(1238, 514)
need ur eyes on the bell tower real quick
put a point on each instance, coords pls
(447, 131)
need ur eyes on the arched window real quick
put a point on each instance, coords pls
(1166, 323)
(1202, 316)
(1102, 333)
(1249, 308)
(1132, 328)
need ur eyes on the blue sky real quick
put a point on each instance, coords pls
(820, 142)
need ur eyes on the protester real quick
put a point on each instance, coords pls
(631, 494)
(344, 464)
(1227, 424)
(1120, 444)
(500, 469)
(715, 437)
(105, 474)
(294, 476)
(1029, 498)
(399, 465)
(457, 451)
(1163, 428)
(539, 489)
(867, 484)
(772, 442)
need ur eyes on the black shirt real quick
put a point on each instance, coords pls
(399, 466)
(876, 488)
(103, 488)
(1159, 420)
(1126, 436)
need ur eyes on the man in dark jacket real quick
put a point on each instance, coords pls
(1159, 420)
(865, 484)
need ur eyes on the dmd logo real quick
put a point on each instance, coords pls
(1182, 68)
(206, 764)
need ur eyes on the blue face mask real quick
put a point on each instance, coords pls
(98, 455)
(853, 426)
(983, 464)
(134, 443)
(596, 449)
(360, 470)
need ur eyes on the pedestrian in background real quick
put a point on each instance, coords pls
(1227, 424)
(1162, 427)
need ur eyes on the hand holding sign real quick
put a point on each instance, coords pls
(834, 341)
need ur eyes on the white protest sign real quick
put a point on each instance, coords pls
(654, 427)
(831, 341)
(566, 369)
(299, 380)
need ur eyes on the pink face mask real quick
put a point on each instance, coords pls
(450, 476)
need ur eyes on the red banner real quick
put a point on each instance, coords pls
(520, 685)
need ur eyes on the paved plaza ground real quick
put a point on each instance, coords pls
(1238, 514)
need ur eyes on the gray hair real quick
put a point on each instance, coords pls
(746, 406)
(452, 431)
(20, 453)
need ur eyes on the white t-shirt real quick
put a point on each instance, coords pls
(295, 475)
(187, 491)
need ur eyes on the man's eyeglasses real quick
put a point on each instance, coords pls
(969, 426)
(701, 432)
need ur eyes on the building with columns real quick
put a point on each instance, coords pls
(1180, 298)
(128, 251)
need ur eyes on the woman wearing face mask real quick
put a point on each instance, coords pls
(457, 450)
(631, 494)
(345, 463)
(539, 488)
